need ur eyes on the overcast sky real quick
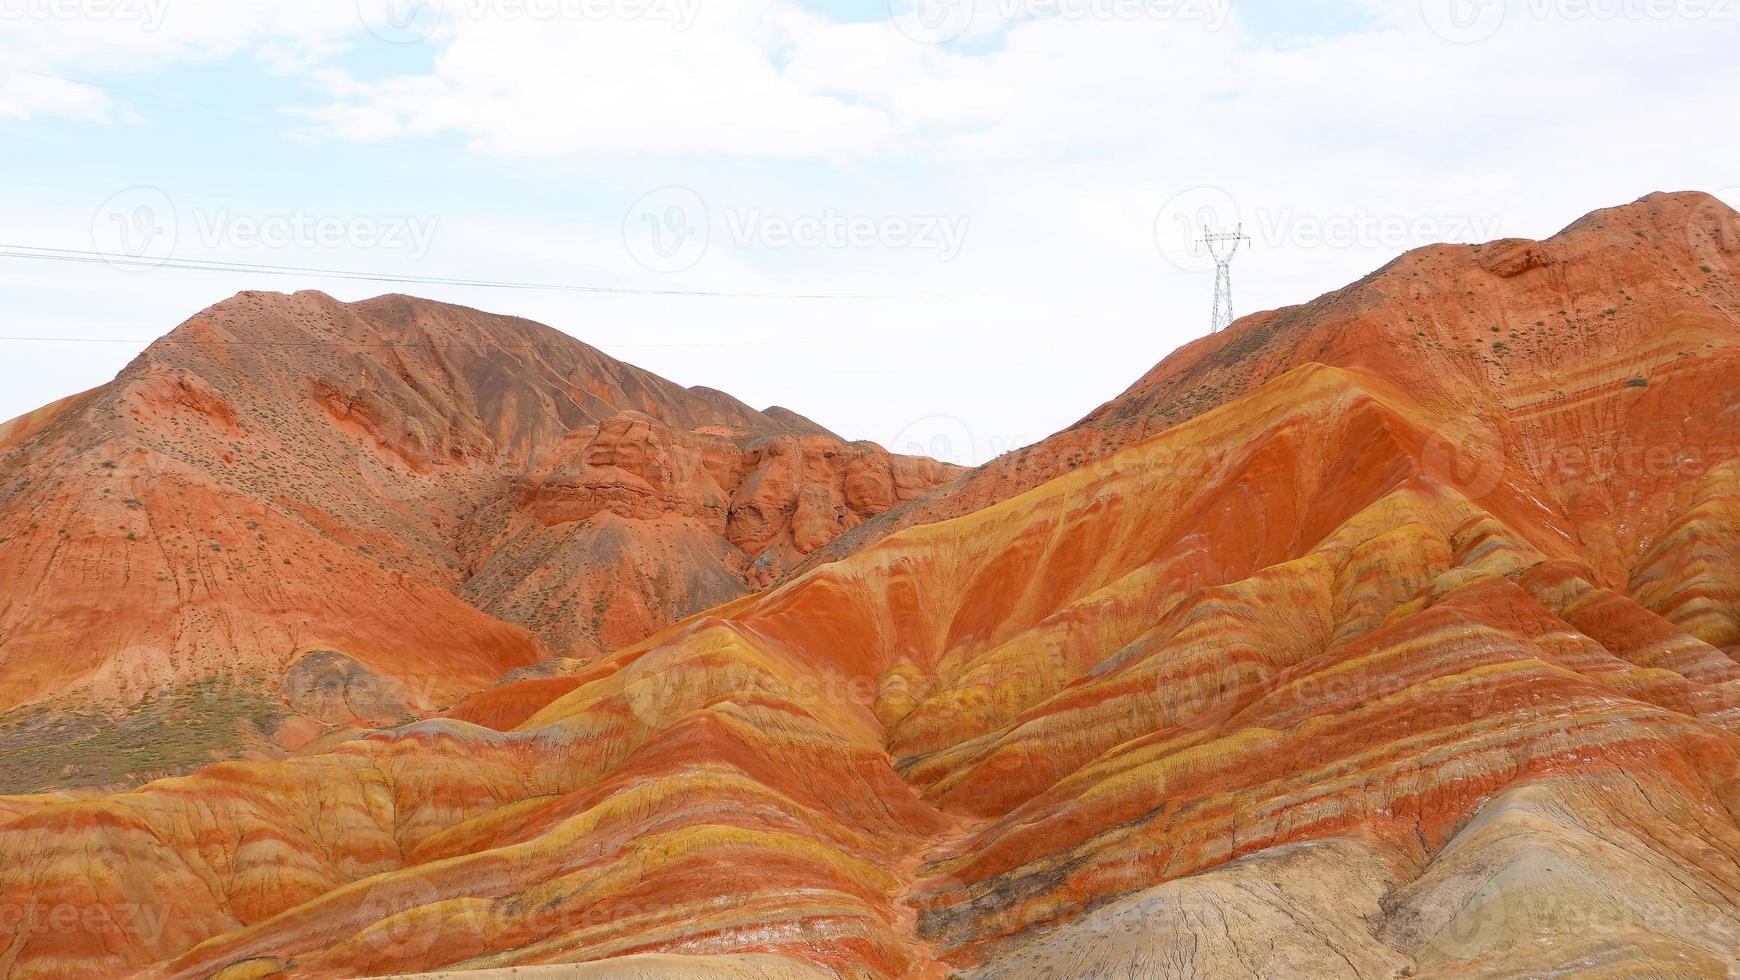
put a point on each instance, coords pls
(994, 196)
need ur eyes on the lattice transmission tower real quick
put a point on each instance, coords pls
(1222, 247)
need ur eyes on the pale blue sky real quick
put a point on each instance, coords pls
(1011, 198)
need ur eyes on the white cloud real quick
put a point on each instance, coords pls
(117, 37)
(541, 87)
(24, 95)
(1060, 139)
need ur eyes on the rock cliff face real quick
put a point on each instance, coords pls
(1409, 659)
(293, 512)
(691, 515)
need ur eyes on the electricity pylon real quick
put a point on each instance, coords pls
(1223, 312)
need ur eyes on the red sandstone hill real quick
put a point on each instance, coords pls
(292, 508)
(1397, 639)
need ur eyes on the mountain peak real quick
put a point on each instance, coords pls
(324, 472)
(1477, 328)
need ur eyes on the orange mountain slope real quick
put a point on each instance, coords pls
(294, 511)
(1335, 677)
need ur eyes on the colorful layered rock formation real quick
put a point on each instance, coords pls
(1338, 675)
(292, 513)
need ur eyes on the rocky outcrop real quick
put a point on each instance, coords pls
(790, 493)
(332, 688)
(631, 525)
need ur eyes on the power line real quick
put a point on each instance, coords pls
(154, 341)
(142, 95)
(31, 252)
